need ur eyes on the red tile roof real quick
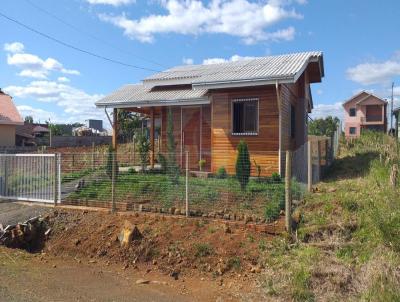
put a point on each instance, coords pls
(9, 114)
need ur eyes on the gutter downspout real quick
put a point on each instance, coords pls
(108, 117)
(278, 98)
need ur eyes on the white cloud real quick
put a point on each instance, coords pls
(63, 79)
(375, 72)
(241, 18)
(234, 58)
(187, 61)
(37, 114)
(111, 2)
(76, 104)
(324, 110)
(15, 47)
(31, 65)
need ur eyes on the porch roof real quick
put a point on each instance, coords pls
(138, 95)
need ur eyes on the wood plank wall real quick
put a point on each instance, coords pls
(263, 147)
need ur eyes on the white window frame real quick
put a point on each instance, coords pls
(258, 116)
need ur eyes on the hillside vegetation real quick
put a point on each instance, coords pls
(347, 245)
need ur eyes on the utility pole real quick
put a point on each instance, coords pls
(391, 110)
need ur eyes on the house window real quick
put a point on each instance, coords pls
(245, 116)
(352, 130)
(292, 121)
(352, 111)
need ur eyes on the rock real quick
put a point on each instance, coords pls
(142, 281)
(227, 229)
(296, 202)
(77, 241)
(175, 274)
(171, 210)
(282, 212)
(154, 262)
(226, 216)
(128, 233)
(247, 219)
(177, 212)
(183, 212)
(255, 269)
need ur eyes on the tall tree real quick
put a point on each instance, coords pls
(323, 126)
(172, 166)
(243, 165)
(29, 119)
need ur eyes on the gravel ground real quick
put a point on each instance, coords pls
(13, 212)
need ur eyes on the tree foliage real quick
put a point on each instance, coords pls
(128, 123)
(29, 119)
(243, 165)
(143, 145)
(323, 126)
(172, 166)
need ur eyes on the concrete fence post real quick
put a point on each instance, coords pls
(59, 176)
(288, 192)
(187, 184)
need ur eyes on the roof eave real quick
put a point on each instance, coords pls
(12, 123)
(242, 83)
(158, 103)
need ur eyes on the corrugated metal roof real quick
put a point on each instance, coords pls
(139, 95)
(257, 71)
(281, 67)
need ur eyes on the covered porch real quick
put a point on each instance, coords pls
(190, 117)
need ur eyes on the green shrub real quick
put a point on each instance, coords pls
(243, 165)
(143, 145)
(203, 249)
(234, 263)
(221, 173)
(202, 163)
(163, 162)
(131, 170)
(172, 166)
(276, 177)
(275, 205)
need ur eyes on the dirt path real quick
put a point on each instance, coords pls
(25, 277)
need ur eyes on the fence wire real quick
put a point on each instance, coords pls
(171, 184)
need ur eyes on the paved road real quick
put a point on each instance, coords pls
(14, 212)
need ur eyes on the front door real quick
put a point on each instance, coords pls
(191, 135)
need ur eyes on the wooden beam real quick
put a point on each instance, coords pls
(152, 125)
(115, 130)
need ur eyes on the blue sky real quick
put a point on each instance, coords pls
(359, 40)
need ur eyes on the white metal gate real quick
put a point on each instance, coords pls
(30, 177)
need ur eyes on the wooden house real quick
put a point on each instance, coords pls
(264, 101)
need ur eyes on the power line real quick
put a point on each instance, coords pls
(74, 47)
(94, 37)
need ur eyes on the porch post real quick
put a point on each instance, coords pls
(152, 138)
(115, 130)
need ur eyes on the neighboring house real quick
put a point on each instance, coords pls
(264, 101)
(27, 133)
(364, 111)
(9, 120)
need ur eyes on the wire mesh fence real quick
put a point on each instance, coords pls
(171, 185)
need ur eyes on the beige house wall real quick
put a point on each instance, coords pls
(7, 135)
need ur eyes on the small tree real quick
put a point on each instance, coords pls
(243, 165)
(172, 166)
(143, 145)
(109, 163)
